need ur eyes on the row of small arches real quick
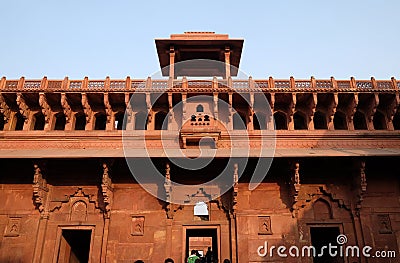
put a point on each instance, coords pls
(240, 121)
(340, 121)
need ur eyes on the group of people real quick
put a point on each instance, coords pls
(195, 257)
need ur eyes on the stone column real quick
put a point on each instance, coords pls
(227, 62)
(172, 62)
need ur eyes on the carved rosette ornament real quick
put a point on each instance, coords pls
(40, 189)
(4, 109)
(107, 190)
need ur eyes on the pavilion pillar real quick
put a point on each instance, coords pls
(171, 62)
(227, 62)
(271, 116)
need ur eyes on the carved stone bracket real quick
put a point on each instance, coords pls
(86, 107)
(352, 108)
(40, 190)
(4, 109)
(23, 107)
(46, 110)
(66, 107)
(107, 189)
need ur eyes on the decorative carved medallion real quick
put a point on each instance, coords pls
(137, 227)
(13, 226)
(384, 224)
(264, 225)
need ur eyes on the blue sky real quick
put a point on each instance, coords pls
(282, 38)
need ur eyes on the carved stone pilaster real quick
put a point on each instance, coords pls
(361, 186)
(40, 190)
(46, 110)
(295, 184)
(23, 107)
(4, 109)
(168, 191)
(235, 188)
(66, 107)
(107, 189)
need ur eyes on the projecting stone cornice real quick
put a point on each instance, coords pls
(74, 144)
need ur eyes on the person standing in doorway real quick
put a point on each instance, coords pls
(192, 258)
(209, 256)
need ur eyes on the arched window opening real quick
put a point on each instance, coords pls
(161, 121)
(259, 121)
(80, 121)
(39, 122)
(141, 121)
(379, 121)
(20, 120)
(2, 122)
(119, 121)
(320, 121)
(239, 121)
(206, 118)
(339, 121)
(396, 121)
(359, 121)
(100, 121)
(60, 122)
(200, 108)
(299, 121)
(280, 121)
(193, 118)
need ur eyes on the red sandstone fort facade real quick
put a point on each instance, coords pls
(68, 193)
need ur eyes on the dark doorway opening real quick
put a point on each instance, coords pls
(322, 236)
(200, 239)
(74, 246)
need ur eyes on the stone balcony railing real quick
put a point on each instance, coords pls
(184, 84)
